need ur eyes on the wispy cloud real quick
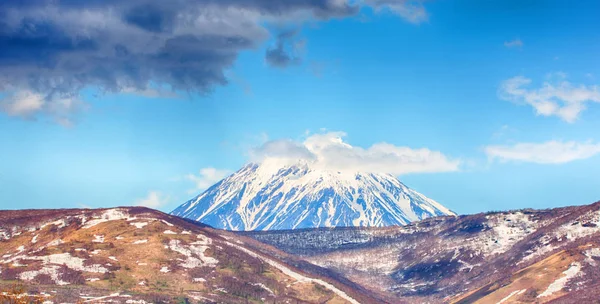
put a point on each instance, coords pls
(151, 92)
(516, 43)
(412, 11)
(28, 105)
(554, 98)
(551, 152)
(154, 200)
(329, 151)
(207, 177)
(504, 131)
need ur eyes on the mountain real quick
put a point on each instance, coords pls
(268, 196)
(139, 255)
(523, 256)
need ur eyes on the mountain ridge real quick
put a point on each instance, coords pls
(492, 257)
(518, 256)
(141, 255)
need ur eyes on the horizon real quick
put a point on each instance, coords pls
(478, 106)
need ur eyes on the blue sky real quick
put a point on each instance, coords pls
(508, 89)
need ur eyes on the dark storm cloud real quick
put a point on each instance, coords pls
(52, 49)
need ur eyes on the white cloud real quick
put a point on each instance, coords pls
(412, 11)
(504, 131)
(283, 149)
(329, 151)
(207, 177)
(554, 98)
(154, 200)
(23, 104)
(27, 104)
(517, 43)
(551, 152)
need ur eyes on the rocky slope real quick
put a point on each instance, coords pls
(269, 196)
(138, 255)
(521, 256)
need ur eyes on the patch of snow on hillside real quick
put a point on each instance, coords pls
(108, 215)
(514, 293)
(195, 255)
(413, 286)
(591, 254)
(202, 240)
(506, 230)
(72, 262)
(169, 232)
(34, 239)
(263, 286)
(509, 229)
(139, 225)
(62, 223)
(465, 266)
(577, 230)
(559, 284)
(164, 269)
(55, 243)
(99, 299)
(140, 242)
(585, 225)
(51, 271)
(539, 250)
(98, 238)
(52, 264)
(167, 223)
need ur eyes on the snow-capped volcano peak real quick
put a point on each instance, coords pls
(277, 194)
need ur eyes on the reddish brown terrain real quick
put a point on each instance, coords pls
(138, 255)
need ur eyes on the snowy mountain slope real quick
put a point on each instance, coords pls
(270, 196)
